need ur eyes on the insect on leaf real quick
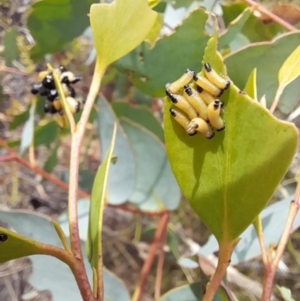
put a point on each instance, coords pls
(229, 179)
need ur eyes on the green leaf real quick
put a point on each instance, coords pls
(285, 293)
(290, 69)
(17, 246)
(50, 273)
(119, 27)
(46, 134)
(53, 23)
(250, 87)
(151, 69)
(19, 119)
(190, 292)
(267, 57)
(43, 135)
(122, 176)
(11, 50)
(94, 239)
(229, 175)
(234, 28)
(156, 188)
(141, 115)
(254, 29)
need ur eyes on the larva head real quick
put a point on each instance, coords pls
(207, 67)
(188, 90)
(210, 135)
(48, 82)
(52, 94)
(173, 112)
(192, 128)
(171, 96)
(69, 77)
(199, 89)
(189, 71)
(36, 88)
(3, 237)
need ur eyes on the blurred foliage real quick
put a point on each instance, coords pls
(59, 32)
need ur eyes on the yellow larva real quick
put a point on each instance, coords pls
(201, 126)
(182, 120)
(185, 79)
(60, 119)
(180, 102)
(69, 77)
(74, 104)
(196, 101)
(215, 78)
(206, 85)
(214, 110)
(57, 105)
(207, 97)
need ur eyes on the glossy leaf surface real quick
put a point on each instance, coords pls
(229, 176)
(119, 27)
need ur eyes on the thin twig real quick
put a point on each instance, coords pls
(14, 157)
(149, 261)
(270, 270)
(12, 70)
(259, 232)
(74, 171)
(160, 264)
(272, 16)
(38, 170)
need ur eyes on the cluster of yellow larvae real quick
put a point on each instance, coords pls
(195, 97)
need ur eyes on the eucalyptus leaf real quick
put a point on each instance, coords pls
(132, 20)
(250, 87)
(122, 176)
(152, 69)
(267, 58)
(139, 114)
(94, 241)
(234, 29)
(229, 176)
(53, 23)
(290, 69)
(49, 273)
(156, 188)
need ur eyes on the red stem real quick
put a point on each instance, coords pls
(161, 228)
